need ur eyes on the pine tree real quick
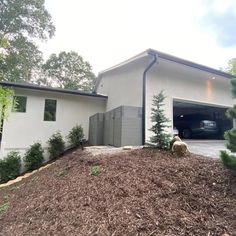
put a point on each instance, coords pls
(229, 160)
(160, 122)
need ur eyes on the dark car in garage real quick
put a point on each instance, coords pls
(192, 125)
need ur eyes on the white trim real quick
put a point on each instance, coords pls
(199, 102)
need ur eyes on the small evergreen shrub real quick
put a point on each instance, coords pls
(34, 156)
(10, 166)
(229, 159)
(56, 145)
(76, 135)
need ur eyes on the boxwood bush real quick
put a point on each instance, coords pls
(34, 156)
(10, 166)
(56, 145)
(76, 135)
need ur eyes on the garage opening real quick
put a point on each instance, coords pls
(195, 120)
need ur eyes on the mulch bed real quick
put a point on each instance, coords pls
(139, 192)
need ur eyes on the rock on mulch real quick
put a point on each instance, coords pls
(138, 192)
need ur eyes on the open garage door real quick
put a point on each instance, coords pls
(196, 120)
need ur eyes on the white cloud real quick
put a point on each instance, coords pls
(221, 6)
(219, 20)
(106, 32)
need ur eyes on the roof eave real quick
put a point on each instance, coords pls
(169, 58)
(50, 89)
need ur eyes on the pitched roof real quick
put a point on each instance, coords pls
(169, 57)
(49, 89)
(189, 63)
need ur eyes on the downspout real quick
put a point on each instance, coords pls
(155, 56)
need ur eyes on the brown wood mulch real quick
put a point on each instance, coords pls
(138, 192)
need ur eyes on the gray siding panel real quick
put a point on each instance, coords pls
(131, 132)
(132, 126)
(121, 126)
(96, 123)
(106, 128)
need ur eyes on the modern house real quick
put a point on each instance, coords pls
(41, 111)
(119, 108)
(189, 87)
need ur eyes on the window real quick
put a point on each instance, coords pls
(50, 110)
(20, 104)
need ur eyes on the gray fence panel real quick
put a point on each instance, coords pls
(118, 127)
(96, 123)
(106, 128)
(131, 126)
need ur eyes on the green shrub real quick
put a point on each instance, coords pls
(229, 161)
(61, 173)
(95, 170)
(10, 166)
(4, 207)
(34, 156)
(56, 145)
(75, 135)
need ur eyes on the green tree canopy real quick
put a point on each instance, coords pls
(68, 70)
(21, 21)
(25, 17)
(21, 58)
(231, 66)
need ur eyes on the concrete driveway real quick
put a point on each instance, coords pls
(209, 148)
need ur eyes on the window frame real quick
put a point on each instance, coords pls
(55, 112)
(14, 107)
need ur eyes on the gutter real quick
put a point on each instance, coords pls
(155, 56)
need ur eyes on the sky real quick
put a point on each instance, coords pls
(107, 32)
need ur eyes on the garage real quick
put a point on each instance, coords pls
(197, 120)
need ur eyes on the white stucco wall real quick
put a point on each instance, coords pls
(185, 83)
(23, 129)
(123, 86)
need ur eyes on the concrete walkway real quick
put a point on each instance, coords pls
(98, 150)
(209, 148)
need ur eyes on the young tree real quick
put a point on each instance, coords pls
(160, 122)
(6, 102)
(68, 70)
(229, 160)
(6, 94)
(20, 22)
